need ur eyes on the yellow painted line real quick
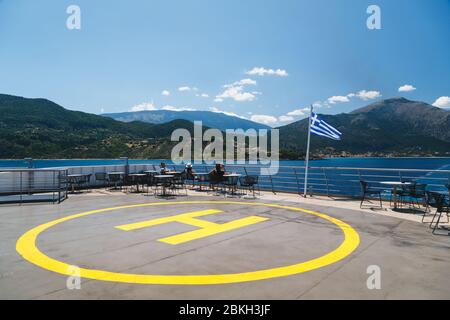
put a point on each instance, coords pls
(26, 247)
(178, 218)
(197, 223)
(207, 228)
(211, 230)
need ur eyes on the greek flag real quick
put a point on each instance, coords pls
(323, 129)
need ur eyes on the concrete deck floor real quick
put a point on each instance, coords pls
(414, 263)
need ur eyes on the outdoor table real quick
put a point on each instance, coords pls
(74, 178)
(197, 174)
(120, 174)
(395, 185)
(201, 173)
(136, 178)
(233, 175)
(164, 185)
(151, 172)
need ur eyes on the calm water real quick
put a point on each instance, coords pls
(289, 179)
(394, 163)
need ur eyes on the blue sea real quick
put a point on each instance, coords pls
(393, 163)
(290, 179)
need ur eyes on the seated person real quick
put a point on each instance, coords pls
(219, 170)
(217, 174)
(190, 173)
(163, 169)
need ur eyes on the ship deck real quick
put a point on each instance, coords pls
(206, 246)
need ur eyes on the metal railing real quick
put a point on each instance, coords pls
(330, 181)
(33, 185)
(338, 181)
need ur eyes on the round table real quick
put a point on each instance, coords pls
(75, 178)
(234, 185)
(200, 174)
(395, 185)
(120, 174)
(164, 185)
(137, 176)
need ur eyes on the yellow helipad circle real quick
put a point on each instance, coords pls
(26, 247)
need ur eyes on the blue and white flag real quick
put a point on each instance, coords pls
(323, 129)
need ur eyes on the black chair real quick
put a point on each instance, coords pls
(128, 181)
(202, 180)
(164, 185)
(115, 180)
(179, 182)
(74, 183)
(215, 182)
(404, 192)
(151, 182)
(101, 177)
(190, 176)
(249, 183)
(86, 181)
(79, 182)
(231, 184)
(134, 182)
(440, 202)
(418, 195)
(368, 193)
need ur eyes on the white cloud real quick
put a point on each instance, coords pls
(285, 118)
(244, 82)
(150, 106)
(261, 71)
(165, 93)
(363, 95)
(298, 112)
(231, 114)
(368, 95)
(203, 95)
(442, 102)
(236, 91)
(406, 88)
(172, 108)
(146, 106)
(264, 119)
(183, 89)
(336, 99)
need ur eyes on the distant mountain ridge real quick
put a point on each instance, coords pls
(392, 126)
(43, 129)
(210, 119)
(40, 128)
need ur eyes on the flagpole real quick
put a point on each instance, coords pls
(307, 153)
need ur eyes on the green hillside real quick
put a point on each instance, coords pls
(389, 127)
(43, 129)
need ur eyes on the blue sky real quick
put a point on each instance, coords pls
(263, 60)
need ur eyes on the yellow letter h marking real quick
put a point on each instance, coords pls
(206, 228)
